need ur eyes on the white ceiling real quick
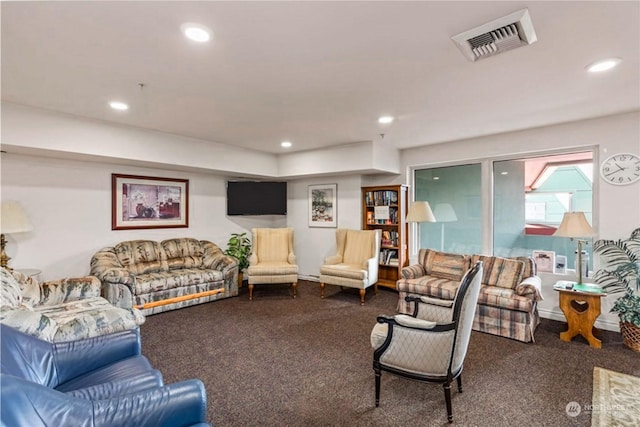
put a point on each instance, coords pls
(318, 73)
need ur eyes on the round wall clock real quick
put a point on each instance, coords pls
(621, 169)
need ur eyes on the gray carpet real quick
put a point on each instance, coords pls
(276, 361)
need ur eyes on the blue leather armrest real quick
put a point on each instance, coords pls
(50, 364)
(121, 372)
(131, 384)
(25, 403)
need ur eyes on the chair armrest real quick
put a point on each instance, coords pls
(28, 404)
(432, 309)
(291, 258)
(413, 271)
(213, 258)
(531, 286)
(70, 289)
(333, 259)
(253, 259)
(412, 322)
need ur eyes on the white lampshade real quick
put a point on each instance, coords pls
(444, 213)
(574, 224)
(420, 212)
(13, 219)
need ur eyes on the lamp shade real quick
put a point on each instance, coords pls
(444, 213)
(574, 224)
(420, 212)
(13, 219)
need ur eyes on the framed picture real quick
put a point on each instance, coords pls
(148, 202)
(323, 205)
(545, 261)
(561, 264)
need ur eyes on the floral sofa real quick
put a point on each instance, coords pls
(509, 292)
(61, 310)
(161, 276)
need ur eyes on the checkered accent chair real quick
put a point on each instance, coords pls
(272, 259)
(509, 292)
(355, 265)
(431, 348)
(61, 310)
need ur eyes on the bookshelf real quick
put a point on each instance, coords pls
(385, 208)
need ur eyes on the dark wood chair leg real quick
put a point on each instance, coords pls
(250, 291)
(295, 289)
(378, 375)
(362, 294)
(460, 383)
(321, 290)
(447, 398)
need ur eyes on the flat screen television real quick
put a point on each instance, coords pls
(256, 198)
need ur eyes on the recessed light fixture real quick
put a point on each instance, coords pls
(384, 120)
(196, 32)
(604, 65)
(435, 178)
(285, 144)
(504, 173)
(117, 105)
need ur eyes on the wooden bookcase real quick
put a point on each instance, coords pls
(385, 208)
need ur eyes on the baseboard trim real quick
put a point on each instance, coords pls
(559, 316)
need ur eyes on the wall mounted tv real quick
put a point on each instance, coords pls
(256, 198)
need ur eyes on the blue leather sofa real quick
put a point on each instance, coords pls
(100, 381)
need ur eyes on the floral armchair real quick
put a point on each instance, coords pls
(61, 310)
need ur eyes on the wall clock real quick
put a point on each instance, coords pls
(621, 169)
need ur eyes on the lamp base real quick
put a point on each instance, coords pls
(4, 259)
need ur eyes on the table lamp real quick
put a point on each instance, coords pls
(420, 211)
(575, 225)
(445, 213)
(13, 219)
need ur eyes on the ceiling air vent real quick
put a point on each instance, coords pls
(500, 35)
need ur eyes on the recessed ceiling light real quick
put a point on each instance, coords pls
(604, 65)
(285, 144)
(385, 120)
(196, 32)
(436, 178)
(504, 173)
(117, 105)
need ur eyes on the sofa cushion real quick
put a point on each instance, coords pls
(444, 265)
(155, 282)
(495, 296)
(431, 286)
(182, 253)
(141, 256)
(500, 272)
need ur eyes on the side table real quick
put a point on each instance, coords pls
(581, 307)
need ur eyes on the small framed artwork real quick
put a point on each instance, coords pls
(323, 205)
(148, 202)
(545, 261)
(561, 265)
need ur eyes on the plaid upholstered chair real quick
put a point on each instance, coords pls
(272, 259)
(425, 349)
(355, 265)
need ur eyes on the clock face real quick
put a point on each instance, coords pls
(621, 169)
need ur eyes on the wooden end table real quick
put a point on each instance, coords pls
(581, 308)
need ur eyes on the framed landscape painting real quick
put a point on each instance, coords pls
(323, 205)
(148, 202)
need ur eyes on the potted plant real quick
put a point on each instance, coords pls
(621, 274)
(239, 247)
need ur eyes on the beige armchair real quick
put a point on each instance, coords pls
(272, 259)
(432, 346)
(355, 264)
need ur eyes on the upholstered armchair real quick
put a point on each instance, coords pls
(430, 348)
(272, 259)
(99, 381)
(355, 265)
(61, 310)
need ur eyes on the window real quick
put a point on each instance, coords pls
(531, 196)
(454, 196)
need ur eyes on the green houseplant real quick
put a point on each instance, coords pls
(239, 247)
(621, 274)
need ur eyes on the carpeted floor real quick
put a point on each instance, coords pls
(276, 361)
